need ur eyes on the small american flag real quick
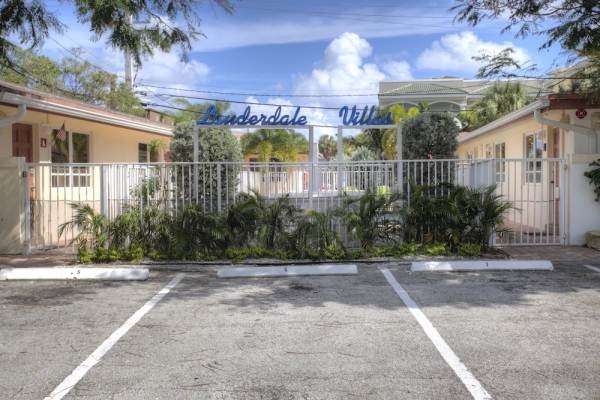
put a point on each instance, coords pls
(62, 133)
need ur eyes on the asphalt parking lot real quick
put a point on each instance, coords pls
(518, 335)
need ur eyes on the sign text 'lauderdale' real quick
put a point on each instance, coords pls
(350, 117)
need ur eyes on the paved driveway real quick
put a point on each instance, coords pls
(518, 335)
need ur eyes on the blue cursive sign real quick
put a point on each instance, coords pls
(350, 117)
(354, 117)
(212, 117)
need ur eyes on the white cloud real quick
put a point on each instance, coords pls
(344, 71)
(455, 52)
(168, 68)
(397, 70)
(289, 28)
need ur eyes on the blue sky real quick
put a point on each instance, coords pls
(312, 47)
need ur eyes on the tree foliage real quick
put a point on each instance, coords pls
(575, 24)
(499, 100)
(327, 147)
(279, 144)
(193, 111)
(31, 22)
(216, 144)
(430, 135)
(380, 143)
(72, 77)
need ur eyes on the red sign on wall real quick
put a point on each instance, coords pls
(580, 113)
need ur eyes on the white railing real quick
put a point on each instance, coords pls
(532, 186)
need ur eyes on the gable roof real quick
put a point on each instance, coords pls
(37, 100)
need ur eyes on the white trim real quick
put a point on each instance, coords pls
(474, 387)
(508, 118)
(93, 115)
(78, 373)
(591, 267)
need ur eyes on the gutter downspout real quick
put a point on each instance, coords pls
(17, 117)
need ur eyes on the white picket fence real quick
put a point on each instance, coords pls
(532, 186)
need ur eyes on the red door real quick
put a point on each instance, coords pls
(22, 141)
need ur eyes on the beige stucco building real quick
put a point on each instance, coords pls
(537, 156)
(39, 133)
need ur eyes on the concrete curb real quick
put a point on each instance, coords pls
(483, 265)
(292, 270)
(75, 273)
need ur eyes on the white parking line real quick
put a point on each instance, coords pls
(592, 267)
(70, 381)
(470, 382)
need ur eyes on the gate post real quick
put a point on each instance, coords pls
(311, 172)
(400, 179)
(219, 190)
(196, 140)
(340, 159)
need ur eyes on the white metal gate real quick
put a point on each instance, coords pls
(533, 186)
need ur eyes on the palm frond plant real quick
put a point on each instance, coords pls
(476, 214)
(493, 210)
(275, 222)
(426, 216)
(243, 219)
(198, 232)
(149, 228)
(314, 236)
(89, 227)
(369, 218)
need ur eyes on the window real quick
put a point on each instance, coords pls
(142, 152)
(488, 151)
(63, 152)
(500, 155)
(534, 148)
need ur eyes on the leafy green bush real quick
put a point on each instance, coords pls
(594, 176)
(85, 256)
(469, 249)
(436, 250)
(408, 249)
(369, 218)
(90, 226)
(313, 234)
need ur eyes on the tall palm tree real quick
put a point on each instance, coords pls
(500, 99)
(280, 144)
(327, 146)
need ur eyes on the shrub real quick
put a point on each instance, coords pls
(243, 219)
(594, 176)
(275, 222)
(368, 218)
(198, 233)
(85, 256)
(216, 144)
(91, 227)
(469, 249)
(436, 250)
(408, 249)
(313, 235)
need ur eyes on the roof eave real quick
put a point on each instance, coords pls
(504, 120)
(87, 114)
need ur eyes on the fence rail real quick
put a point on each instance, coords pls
(533, 186)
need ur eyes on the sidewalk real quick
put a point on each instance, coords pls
(37, 260)
(558, 254)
